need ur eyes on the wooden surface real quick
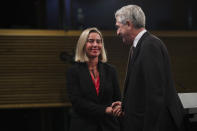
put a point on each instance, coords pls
(33, 75)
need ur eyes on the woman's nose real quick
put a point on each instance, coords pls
(94, 43)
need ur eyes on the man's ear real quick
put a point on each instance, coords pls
(128, 23)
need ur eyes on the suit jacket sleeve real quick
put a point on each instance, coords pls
(79, 103)
(152, 65)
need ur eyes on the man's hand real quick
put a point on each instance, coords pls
(117, 109)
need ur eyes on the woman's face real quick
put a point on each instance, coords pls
(93, 45)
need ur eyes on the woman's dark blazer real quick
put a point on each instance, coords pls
(88, 109)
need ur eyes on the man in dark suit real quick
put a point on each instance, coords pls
(150, 101)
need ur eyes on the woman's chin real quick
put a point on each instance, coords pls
(93, 56)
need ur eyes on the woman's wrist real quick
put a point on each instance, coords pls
(108, 110)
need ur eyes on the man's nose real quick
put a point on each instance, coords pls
(118, 32)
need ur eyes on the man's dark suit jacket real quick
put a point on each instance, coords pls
(150, 101)
(88, 109)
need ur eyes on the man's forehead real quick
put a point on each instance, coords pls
(118, 23)
(117, 18)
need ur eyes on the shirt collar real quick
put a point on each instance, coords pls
(137, 38)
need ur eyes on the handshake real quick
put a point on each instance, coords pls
(115, 109)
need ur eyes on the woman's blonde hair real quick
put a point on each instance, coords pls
(80, 54)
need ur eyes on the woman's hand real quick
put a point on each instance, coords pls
(108, 110)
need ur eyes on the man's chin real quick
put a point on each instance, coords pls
(126, 42)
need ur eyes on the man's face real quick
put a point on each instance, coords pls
(123, 30)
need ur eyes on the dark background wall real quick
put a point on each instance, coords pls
(80, 14)
(100, 13)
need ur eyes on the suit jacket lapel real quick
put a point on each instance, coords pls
(137, 48)
(128, 65)
(132, 60)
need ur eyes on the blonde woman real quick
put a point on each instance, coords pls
(92, 85)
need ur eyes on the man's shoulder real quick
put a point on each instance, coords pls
(152, 40)
(152, 37)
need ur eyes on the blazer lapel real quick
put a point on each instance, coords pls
(86, 77)
(102, 78)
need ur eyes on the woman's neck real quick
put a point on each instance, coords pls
(92, 64)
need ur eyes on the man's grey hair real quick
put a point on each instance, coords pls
(131, 13)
